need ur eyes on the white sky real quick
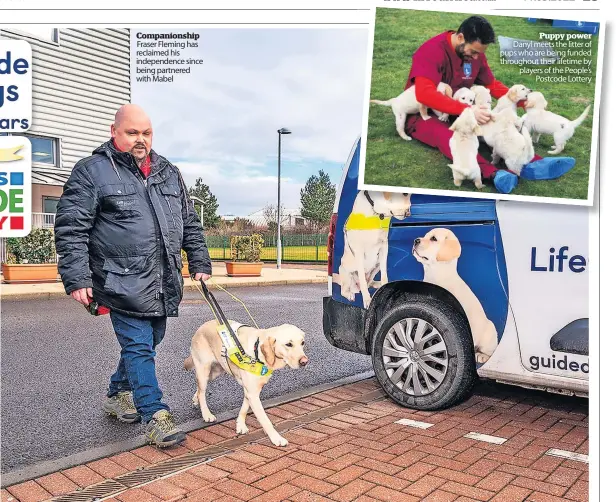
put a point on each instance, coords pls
(220, 121)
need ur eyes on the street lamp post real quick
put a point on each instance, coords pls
(281, 131)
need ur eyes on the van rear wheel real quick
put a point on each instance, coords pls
(422, 353)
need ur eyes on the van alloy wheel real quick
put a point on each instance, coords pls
(415, 356)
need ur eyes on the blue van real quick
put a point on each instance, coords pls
(440, 290)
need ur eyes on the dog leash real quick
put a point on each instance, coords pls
(233, 349)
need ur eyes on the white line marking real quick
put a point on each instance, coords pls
(414, 423)
(571, 455)
(485, 438)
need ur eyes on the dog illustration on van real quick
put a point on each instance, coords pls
(438, 251)
(366, 242)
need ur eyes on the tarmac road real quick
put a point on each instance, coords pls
(56, 361)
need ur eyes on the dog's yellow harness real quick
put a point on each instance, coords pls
(232, 348)
(359, 221)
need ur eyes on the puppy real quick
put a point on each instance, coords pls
(444, 89)
(366, 242)
(464, 146)
(509, 140)
(483, 98)
(438, 251)
(407, 104)
(465, 95)
(540, 121)
(510, 100)
(278, 347)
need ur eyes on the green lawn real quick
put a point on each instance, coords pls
(290, 253)
(392, 161)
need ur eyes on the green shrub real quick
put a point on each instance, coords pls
(36, 248)
(246, 247)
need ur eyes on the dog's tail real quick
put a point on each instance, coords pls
(581, 118)
(189, 363)
(379, 102)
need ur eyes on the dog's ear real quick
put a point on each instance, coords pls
(512, 94)
(450, 249)
(448, 91)
(267, 346)
(387, 195)
(477, 130)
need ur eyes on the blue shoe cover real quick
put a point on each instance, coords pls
(548, 168)
(505, 182)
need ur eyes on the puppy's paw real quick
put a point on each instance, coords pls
(278, 440)
(444, 118)
(209, 418)
(457, 183)
(241, 429)
(426, 117)
(479, 185)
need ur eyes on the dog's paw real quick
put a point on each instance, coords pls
(444, 118)
(279, 440)
(366, 302)
(209, 418)
(481, 358)
(241, 429)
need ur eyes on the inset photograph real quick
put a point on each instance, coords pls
(493, 106)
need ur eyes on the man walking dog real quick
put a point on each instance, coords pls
(122, 221)
(458, 59)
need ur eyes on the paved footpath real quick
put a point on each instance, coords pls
(347, 444)
(288, 275)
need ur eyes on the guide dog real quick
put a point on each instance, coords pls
(438, 251)
(278, 347)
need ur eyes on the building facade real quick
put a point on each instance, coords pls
(80, 77)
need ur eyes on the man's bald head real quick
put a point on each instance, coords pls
(132, 131)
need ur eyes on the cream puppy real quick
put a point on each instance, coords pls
(407, 104)
(438, 251)
(445, 90)
(278, 347)
(540, 121)
(366, 241)
(507, 142)
(510, 100)
(465, 95)
(483, 98)
(464, 146)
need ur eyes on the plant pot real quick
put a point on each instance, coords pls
(243, 269)
(44, 272)
(185, 272)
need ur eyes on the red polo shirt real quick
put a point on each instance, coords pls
(437, 61)
(146, 165)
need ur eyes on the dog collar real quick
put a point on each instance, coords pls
(380, 215)
(359, 221)
(257, 352)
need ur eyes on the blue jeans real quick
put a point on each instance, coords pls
(138, 337)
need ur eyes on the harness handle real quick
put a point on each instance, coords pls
(210, 297)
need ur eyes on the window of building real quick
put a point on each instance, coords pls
(44, 150)
(50, 204)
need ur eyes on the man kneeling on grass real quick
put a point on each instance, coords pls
(458, 59)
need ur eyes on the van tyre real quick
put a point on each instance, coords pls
(423, 354)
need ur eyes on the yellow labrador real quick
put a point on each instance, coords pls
(277, 347)
(438, 251)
